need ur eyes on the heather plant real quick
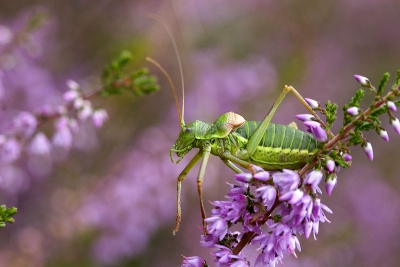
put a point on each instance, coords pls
(28, 132)
(275, 208)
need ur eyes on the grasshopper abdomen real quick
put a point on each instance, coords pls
(281, 147)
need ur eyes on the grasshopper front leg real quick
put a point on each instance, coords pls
(205, 154)
(181, 177)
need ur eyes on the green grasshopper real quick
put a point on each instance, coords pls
(236, 141)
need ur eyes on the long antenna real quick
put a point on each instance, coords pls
(163, 22)
(172, 87)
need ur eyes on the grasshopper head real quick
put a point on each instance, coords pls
(185, 142)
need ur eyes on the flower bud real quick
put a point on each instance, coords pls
(317, 131)
(353, 111)
(396, 125)
(363, 80)
(391, 105)
(244, 177)
(368, 150)
(384, 135)
(72, 85)
(330, 165)
(70, 95)
(304, 117)
(347, 157)
(313, 104)
(262, 176)
(330, 184)
(99, 117)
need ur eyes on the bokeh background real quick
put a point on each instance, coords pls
(110, 201)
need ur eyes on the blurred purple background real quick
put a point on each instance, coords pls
(111, 200)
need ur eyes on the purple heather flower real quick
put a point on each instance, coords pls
(239, 261)
(6, 35)
(276, 243)
(391, 105)
(316, 130)
(248, 224)
(286, 180)
(10, 150)
(330, 165)
(24, 123)
(312, 103)
(86, 110)
(244, 177)
(61, 110)
(193, 261)
(230, 210)
(217, 226)
(396, 125)
(62, 122)
(79, 103)
(384, 135)
(3, 139)
(353, 111)
(304, 117)
(313, 178)
(70, 95)
(236, 192)
(45, 111)
(368, 150)
(223, 255)
(347, 157)
(262, 176)
(362, 80)
(318, 212)
(73, 125)
(268, 195)
(99, 117)
(300, 211)
(40, 145)
(292, 196)
(62, 138)
(308, 226)
(208, 241)
(72, 85)
(330, 184)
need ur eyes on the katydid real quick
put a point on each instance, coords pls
(237, 141)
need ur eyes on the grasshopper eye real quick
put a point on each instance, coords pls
(188, 130)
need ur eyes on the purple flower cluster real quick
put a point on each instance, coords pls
(312, 125)
(281, 208)
(24, 130)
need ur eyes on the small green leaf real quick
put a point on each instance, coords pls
(356, 99)
(6, 215)
(379, 111)
(331, 109)
(382, 84)
(397, 83)
(366, 126)
(355, 138)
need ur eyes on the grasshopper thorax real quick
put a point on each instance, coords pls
(194, 133)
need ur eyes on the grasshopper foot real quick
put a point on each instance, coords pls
(205, 228)
(177, 222)
(255, 169)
